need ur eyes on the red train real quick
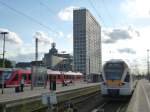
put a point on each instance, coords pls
(64, 76)
(12, 77)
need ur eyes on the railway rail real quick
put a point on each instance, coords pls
(79, 103)
(112, 105)
(95, 103)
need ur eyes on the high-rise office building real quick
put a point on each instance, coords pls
(87, 44)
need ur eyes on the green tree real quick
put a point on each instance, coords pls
(8, 63)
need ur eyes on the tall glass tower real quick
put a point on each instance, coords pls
(87, 44)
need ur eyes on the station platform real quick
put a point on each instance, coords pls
(11, 99)
(140, 101)
(9, 93)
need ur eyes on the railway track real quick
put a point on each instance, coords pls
(80, 103)
(112, 105)
(96, 103)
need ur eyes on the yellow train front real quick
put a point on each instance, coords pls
(117, 79)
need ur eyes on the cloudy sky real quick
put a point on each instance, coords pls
(125, 27)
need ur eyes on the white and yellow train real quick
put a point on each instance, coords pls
(117, 78)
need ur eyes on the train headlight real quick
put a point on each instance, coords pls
(121, 84)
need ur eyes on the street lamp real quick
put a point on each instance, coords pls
(148, 64)
(3, 33)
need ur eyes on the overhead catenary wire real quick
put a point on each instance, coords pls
(28, 17)
(109, 14)
(46, 6)
(91, 3)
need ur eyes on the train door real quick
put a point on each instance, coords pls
(29, 78)
(1, 73)
(58, 78)
(24, 77)
(15, 79)
(74, 77)
(62, 78)
(52, 80)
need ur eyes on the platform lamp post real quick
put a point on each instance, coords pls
(4, 39)
(148, 72)
(62, 69)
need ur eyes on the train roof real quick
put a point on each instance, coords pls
(5, 69)
(115, 60)
(49, 71)
(14, 69)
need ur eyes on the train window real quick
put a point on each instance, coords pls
(58, 76)
(54, 78)
(16, 77)
(113, 71)
(69, 77)
(0, 75)
(65, 76)
(72, 77)
(114, 65)
(24, 76)
(127, 79)
(30, 77)
(76, 77)
(113, 75)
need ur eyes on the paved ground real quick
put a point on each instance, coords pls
(10, 95)
(140, 101)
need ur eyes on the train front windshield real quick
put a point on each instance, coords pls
(113, 71)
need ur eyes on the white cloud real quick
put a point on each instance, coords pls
(58, 35)
(67, 45)
(26, 52)
(11, 37)
(43, 37)
(111, 35)
(15, 52)
(26, 57)
(139, 43)
(137, 8)
(67, 13)
(61, 34)
(70, 37)
(127, 50)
